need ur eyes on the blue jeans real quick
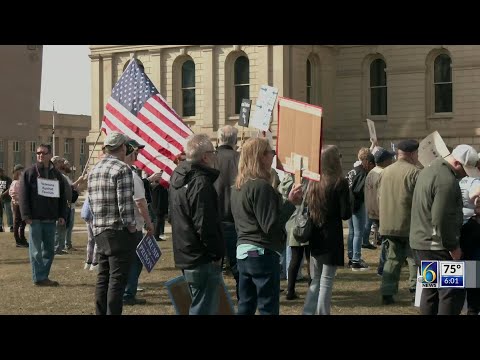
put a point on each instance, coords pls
(134, 272)
(7, 207)
(356, 226)
(204, 283)
(41, 249)
(69, 229)
(60, 234)
(230, 237)
(319, 295)
(259, 284)
(367, 231)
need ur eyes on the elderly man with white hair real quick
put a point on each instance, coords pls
(198, 246)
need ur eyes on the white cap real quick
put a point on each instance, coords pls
(468, 157)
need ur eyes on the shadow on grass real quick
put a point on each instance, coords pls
(14, 261)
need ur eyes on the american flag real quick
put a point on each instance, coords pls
(137, 110)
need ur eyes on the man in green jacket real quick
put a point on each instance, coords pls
(395, 204)
(436, 222)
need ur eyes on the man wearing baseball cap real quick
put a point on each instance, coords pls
(383, 158)
(395, 205)
(110, 194)
(470, 232)
(436, 222)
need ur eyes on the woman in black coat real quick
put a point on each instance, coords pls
(328, 204)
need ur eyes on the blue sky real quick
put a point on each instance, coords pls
(66, 79)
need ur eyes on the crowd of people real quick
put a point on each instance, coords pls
(227, 206)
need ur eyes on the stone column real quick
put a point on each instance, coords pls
(210, 122)
(155, 76)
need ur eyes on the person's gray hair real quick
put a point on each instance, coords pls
(227, 135)
(197, 146)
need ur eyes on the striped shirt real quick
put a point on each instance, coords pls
(110, 194)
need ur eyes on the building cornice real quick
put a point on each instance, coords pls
(112, 49)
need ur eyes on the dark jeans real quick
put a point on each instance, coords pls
(159, 226)
(18, 225)
(259, 284)
(470, 244)
(383, 249)
(204, 283)
(294, 266)
(134, 272)
(367, 231)
(440, 301)
(115, 252)
(230, 238)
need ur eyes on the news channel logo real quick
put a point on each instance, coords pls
(429, 274)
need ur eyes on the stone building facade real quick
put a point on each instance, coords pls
(71, 133)
(408, 90)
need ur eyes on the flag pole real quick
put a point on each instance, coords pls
(91, 152)
(53, 129)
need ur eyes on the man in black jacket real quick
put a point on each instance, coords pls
(42, 203)
(198, 246)
(227, 163)
(356, 181)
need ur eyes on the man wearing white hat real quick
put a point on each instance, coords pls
(436, 222)
(470, 232)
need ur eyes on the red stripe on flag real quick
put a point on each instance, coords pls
(145, 153)
(134, 128)
(168, 121)
(168, 138)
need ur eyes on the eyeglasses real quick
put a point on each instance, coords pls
(42, 153)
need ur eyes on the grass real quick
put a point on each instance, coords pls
(353, 293)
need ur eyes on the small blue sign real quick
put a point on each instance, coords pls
(148, 252)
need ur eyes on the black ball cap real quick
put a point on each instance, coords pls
(408, 145)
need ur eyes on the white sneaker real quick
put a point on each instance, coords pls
(94, 267)
(162, 237)
(140, 289)
(86, 266)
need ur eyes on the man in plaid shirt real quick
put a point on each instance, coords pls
(110, 193)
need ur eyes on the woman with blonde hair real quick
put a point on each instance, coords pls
(260, 215)
(328, 204)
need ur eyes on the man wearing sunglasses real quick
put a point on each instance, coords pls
(42, 204)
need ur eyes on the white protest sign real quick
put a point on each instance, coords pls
(371, 130)
(264, 108)
(431, 148)
(48, 188)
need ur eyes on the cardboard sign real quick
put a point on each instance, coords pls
(299, 133)
(244, 112)
(179, 293)
(264, 108)
(148, 252)
(431, 148)
(48, 188)
(371, 130)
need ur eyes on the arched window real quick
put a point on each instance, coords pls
(378, 87)
(442, 82)
(309, 81)
(188, 88)
(241, 81)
